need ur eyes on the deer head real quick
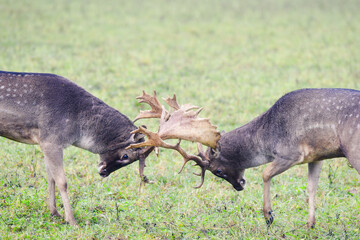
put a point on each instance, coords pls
(183, 123)
(225, 167)
(118, 156)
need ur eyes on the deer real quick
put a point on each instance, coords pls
(51, 111)
(303, 126)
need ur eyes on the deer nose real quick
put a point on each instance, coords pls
(103, 172)
(242, 182)
(240, 185)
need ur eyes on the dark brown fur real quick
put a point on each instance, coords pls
(304, 126)
(55, 113)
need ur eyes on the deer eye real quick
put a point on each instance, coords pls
(218, 172)
(125, 156)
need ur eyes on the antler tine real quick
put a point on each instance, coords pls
(152, 140)
(186, 156)
(203, 167)
(199, 162)
(172, 102)
(202, 174)
(156, 107)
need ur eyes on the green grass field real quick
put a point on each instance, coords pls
(235, 58)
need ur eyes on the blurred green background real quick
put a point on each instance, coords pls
(235, 58)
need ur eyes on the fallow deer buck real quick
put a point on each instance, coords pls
(304, 126)
(49, 110)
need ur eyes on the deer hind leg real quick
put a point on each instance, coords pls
(313, 180)
(54, 166)
(278, 166)
(351, 150)
(354, 160)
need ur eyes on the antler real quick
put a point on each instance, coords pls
(172, 102)
(156, 108)
(182, 124)
(154, 140)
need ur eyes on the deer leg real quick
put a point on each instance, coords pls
(51, 191)
(276, 167)
(54, 165)
(352, 152)
(354, 160)
(313, 180)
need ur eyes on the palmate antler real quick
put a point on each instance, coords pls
(183, 124)
(156, 107)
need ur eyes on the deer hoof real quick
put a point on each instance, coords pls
(269, 220)
(310, 225)
(55, 214)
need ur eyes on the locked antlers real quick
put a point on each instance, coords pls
(183, 124)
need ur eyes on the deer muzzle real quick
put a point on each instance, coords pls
(240, 184)
(105, 169)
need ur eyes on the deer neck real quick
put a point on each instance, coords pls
(246, 145)
(103, 127)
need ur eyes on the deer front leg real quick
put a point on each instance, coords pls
(51, 197)
(55, 170)
(276, 167)
(313, 180)
(267, 202)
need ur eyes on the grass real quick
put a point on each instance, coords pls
(233, 57)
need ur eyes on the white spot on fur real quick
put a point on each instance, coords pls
(2, 87)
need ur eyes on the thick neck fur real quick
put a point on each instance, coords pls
(103, 128)
(245, 146)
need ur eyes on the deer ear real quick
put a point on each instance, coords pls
(215, 153)
(137, 137)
